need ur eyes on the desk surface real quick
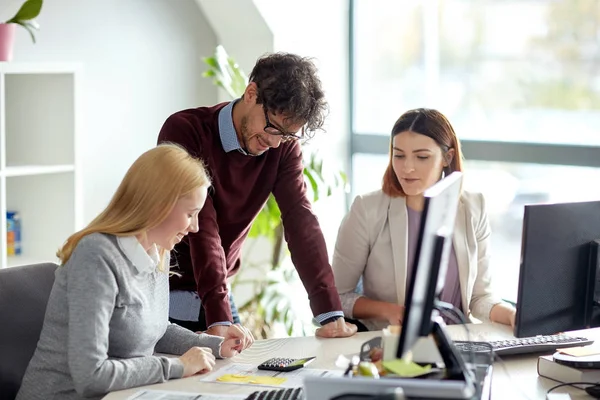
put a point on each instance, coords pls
(514, 378)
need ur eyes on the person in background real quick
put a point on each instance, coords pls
(378, 237)
(251, 147)
(108, 310)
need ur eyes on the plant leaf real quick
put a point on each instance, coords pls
(313, 183)
(211, 62)
(227, 73)
(30, 28)
(29, 10)
(33, 24)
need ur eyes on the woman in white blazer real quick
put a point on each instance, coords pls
(377, 239)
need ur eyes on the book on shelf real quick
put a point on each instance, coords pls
(548, 368)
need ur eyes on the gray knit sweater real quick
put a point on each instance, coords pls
(106, 316)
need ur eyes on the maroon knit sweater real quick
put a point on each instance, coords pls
(241, 186)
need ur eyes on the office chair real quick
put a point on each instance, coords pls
(24, 293)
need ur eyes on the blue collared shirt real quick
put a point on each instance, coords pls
(227, 132)
(185, 306)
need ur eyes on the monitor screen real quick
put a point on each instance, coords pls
(557, 277)
(431, 259)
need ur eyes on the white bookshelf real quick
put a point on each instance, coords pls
(40, 174)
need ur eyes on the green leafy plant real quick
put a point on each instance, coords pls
(225, 73)
(25, 16)
(270, 282)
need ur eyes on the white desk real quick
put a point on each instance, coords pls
(515, 378)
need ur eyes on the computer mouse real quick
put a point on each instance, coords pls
(593, 391)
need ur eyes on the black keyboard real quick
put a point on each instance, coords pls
(534, 344)
(278, 394)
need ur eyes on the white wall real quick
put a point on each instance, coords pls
(141, 61)
(241, 29)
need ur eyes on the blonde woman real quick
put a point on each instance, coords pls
(108, 311)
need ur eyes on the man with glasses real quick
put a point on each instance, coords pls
(251, 149)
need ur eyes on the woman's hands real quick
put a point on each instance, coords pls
(236, 339)
(365, 308)
(503, 313)
(197, 360)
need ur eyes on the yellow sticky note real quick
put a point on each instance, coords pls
(581, 351)
(251, 379)
(232, 378)
(405, 369)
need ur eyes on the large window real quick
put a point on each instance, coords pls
(518, 79)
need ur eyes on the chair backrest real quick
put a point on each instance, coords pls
(24, 293)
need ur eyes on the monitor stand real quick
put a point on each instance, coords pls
(592, 305)
(455, 366)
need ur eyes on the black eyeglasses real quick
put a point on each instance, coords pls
(285, 137)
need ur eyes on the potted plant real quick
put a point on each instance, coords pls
(24, 17)
(270, 281)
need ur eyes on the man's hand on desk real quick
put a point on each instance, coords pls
(236, 338)
(336, 329)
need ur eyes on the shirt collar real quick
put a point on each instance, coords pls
(142, 260)
(227, 132)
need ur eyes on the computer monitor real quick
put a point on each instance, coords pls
(558, 272)
(431, 260)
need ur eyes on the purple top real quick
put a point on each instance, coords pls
(451, 291)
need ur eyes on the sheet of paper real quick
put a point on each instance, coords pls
(581, 351)
(248, 374)
(173, 395)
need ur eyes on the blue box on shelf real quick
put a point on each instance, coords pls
(13, 233)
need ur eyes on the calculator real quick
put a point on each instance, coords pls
(285, 364)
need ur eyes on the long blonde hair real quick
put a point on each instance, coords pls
(146, 195)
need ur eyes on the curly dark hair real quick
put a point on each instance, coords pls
(288, 84)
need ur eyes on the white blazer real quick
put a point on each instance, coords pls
(372, 243)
